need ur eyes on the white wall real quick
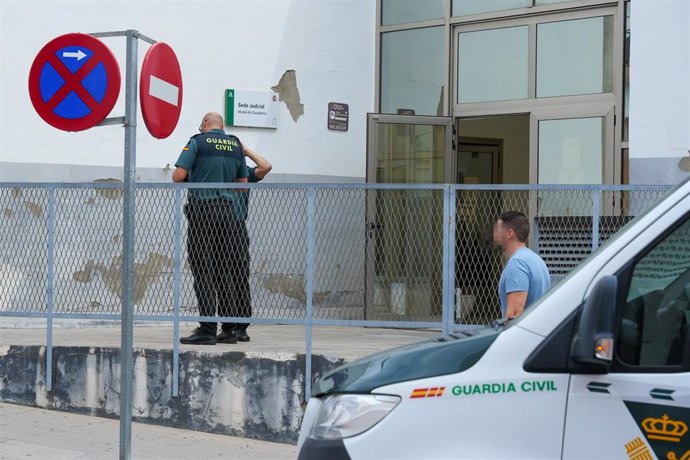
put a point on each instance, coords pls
(241, 44)
(659, 79)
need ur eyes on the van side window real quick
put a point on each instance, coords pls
(656, 318)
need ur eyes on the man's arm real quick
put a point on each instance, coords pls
(179, 175)
(242, 180)
(515, 303)
(185, 162)
(263, 167)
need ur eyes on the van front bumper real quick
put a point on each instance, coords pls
(323, 449)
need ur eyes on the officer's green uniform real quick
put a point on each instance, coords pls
(217, 240)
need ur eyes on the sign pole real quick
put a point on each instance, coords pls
(129, 173)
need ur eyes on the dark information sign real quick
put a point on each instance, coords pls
(338, 116)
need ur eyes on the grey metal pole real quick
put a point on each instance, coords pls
(596, 212)
(129, 173)
(447, 287)
(311, 239)
(176, 292)
(452, 231)
(50, 292)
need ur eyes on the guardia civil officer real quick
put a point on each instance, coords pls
(217, 241)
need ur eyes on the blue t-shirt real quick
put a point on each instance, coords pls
(524, 272)
(242, 208)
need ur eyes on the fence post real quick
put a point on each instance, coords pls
(177, 281)
(50, 293)
(311, 234)
(596, 211)
(447, 285)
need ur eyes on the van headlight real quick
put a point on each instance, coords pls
(342, 416)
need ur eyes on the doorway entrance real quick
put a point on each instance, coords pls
(491, 150)
(404, 226)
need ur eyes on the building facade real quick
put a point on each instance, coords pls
(531, 91)
(508, 91)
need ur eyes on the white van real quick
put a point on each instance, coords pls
(598, 368)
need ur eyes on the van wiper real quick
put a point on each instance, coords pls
(462, 334)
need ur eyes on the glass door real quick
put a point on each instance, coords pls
(404, 227)
(571, 147)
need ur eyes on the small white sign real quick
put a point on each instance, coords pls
(256, 109)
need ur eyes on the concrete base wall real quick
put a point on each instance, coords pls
(256, 395)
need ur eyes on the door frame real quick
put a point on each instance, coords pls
(373, 119)
(573, 104)
(371, 226)
(486, 143)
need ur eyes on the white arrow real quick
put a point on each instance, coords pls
(79, 54)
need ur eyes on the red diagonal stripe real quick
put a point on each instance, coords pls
(72, 82)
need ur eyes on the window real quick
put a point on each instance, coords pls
(412, 71)
(571, 151)
(403, 11)
(492, 65)
(466, 7)
(656, 320)
(575, 57)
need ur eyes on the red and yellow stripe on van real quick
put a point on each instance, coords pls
(427, 392)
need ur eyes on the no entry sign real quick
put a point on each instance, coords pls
(161, 90)
(74, 82)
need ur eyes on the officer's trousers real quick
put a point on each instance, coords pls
(218, 248)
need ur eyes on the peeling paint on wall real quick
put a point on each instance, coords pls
(145, 274)
(289, 93)
(35, 209)
(221, 392)
(8, 213)
(16, 192)
(111, 194)
(684, 163)
(291, 286)
(86, 275)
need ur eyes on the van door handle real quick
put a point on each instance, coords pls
(662, 393)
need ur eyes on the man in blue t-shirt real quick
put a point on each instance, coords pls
(525, 277)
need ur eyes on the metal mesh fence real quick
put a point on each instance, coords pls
(340, 254)
(277, 228)
(478, 263)
(378, 251)
(404, 237)
(23, 254)
(88, 250)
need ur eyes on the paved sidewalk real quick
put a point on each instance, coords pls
(28, 432)
(340, 342)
